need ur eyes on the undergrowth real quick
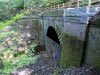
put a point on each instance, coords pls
(13, 19)
(5, 34)
(18, 61)
(22, 60)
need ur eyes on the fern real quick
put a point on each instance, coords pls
(13, 19)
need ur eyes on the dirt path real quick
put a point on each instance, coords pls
(43, 66)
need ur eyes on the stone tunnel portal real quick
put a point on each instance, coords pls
(51, 33)
(53, 45)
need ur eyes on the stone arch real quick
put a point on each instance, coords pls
(53, 45)
(51, 33)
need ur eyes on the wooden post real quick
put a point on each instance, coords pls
(69, 4)
(89, 3)
(63, 5)
(88, 7)
(78, 3)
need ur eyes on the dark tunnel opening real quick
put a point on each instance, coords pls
(51, 33)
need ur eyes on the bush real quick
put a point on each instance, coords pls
(13, 19)
(18, 61)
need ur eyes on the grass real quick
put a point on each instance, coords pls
(13, 19)
(22, 61)
(5, 34)
(10, 22)
(17, 61)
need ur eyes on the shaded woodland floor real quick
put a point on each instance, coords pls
(45, 66)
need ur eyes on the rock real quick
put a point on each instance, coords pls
(6, 56)
(39, 48)
(25, 72)
(28, 34)
(14, 72)
(11, 56)
(22, 72)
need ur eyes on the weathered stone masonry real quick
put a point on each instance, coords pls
(71, 36)
(78, 37)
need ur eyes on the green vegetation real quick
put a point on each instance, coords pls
(20, 60)
(32, 49)
(10, 12)
(20, 4)
(10, 4)
(13, 19)
(57, 72)
(9, 8)
(14, 60)
(5, 34)
(42, 3)
(71, 51)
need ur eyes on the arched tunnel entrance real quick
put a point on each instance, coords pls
(51, 33)
(53, 45)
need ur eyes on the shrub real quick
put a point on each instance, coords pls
(13, 19)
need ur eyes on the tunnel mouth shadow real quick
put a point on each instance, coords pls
(51, 33)
(54, 45)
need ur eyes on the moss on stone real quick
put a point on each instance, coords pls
(56, 13)
(95, 23)
(92, 56)
(38, 29)
(71, 51)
